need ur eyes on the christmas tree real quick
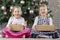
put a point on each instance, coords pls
(29, 9)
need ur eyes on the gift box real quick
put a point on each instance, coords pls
(45, 28)
(16, 27)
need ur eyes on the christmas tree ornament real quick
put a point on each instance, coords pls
(28, 8)
(14, 0)
(48, 15)
(33, 3)
(36, 4)
(40, 4)
(31, 11)
(11, 8)
(25, 12)
(34, 0)
(41, 0)
(3, 8)
(36, 9)
(5, 13)
(7, 0)
(22, 1)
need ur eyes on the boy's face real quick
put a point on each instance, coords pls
(43, 10)
(17, 12)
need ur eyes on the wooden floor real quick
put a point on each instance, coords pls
(27, 39)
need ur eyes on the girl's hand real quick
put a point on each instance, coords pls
(34, 28)
(8, 28)
(45, 23)
(25, 23)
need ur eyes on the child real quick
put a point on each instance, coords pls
(16, 18)
(41, 19)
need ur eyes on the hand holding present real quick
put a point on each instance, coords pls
(45, 23)
(25, 23)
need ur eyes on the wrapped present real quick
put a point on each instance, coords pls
(45, 28)
(16, 27)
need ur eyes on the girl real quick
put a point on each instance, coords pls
(16, 18)
(41, 19)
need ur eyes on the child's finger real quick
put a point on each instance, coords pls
(25, 22)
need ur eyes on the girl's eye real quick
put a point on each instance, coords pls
(43, 9)
(16, 11)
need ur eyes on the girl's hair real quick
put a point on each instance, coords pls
(42, 5)
(19, 8)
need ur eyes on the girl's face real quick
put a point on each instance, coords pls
(43, 11)
(17, 12)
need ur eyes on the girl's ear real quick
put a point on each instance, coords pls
(21, 12)
(12, 14)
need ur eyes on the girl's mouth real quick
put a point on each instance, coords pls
(43, 12)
